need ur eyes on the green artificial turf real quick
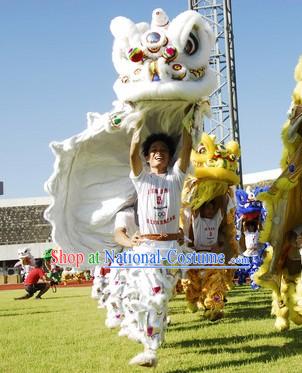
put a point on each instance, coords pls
(65, 332)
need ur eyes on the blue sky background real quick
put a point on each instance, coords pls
(55, 65)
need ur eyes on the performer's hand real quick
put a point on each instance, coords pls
(135, 239)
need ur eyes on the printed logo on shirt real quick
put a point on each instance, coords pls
(159, 222)
(161, 214)
(210, 229)
(158, 190)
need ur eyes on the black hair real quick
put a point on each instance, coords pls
(291, 235)
(38, 263)
(251, 223)
(163, 137)
(211, 202)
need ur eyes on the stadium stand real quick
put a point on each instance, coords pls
(22, 224)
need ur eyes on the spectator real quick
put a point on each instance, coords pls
(33, 282)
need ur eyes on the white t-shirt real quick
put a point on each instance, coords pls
(159, 199)
(206, 230)
(251, 243)
(126, 219)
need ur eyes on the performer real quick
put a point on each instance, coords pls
(287, 290)
(52, 270)
(118, 313)
(280, 269)
(207, 235)
(163, 82)
(250, 216)
(208, 222)
(251, 238)
(251, 241)
(159, 197)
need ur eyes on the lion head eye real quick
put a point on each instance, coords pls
(191, 45)
(201, 149)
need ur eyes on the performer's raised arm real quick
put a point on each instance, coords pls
(184, 157)
(135, 147)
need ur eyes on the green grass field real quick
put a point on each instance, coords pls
(65, 333)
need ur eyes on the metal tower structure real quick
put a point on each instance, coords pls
(224, 122)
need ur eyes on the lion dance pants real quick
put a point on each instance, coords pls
(139, 296)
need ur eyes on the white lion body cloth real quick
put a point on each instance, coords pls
(164, 80)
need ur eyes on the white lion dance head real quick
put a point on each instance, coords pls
(164, 80)
(164, 61)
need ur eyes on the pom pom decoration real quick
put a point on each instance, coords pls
(135, 55)
(170, 53)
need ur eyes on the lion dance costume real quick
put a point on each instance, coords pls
(250, 215)
(281, 272)
(214, 173)
(164, 81)
(26, 262)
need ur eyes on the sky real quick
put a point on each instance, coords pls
(55, 66)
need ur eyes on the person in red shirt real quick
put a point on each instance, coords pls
(33, 282)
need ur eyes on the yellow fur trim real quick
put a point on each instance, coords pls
(192, 286)
(264, 269)
(283, 202)
(292, 294)
(197, 192)
(207, 289)
(285, 186)
(298, 70)
(233, 148)
(269, 205)
(179, 287)
(297, 94)
(287, 300)
(213, 173)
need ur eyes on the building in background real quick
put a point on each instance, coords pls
(22, 225)
(262, 178)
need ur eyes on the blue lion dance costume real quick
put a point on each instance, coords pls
(250, 214)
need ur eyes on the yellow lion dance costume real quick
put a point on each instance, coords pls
(215, 169)
(284, 204)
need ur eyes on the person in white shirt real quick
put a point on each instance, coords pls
(126, 230)
(208, 230)
(205, 227)
(205, 224)
(124, 227)
(159, 199)
(251, 237)
(119, 310)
